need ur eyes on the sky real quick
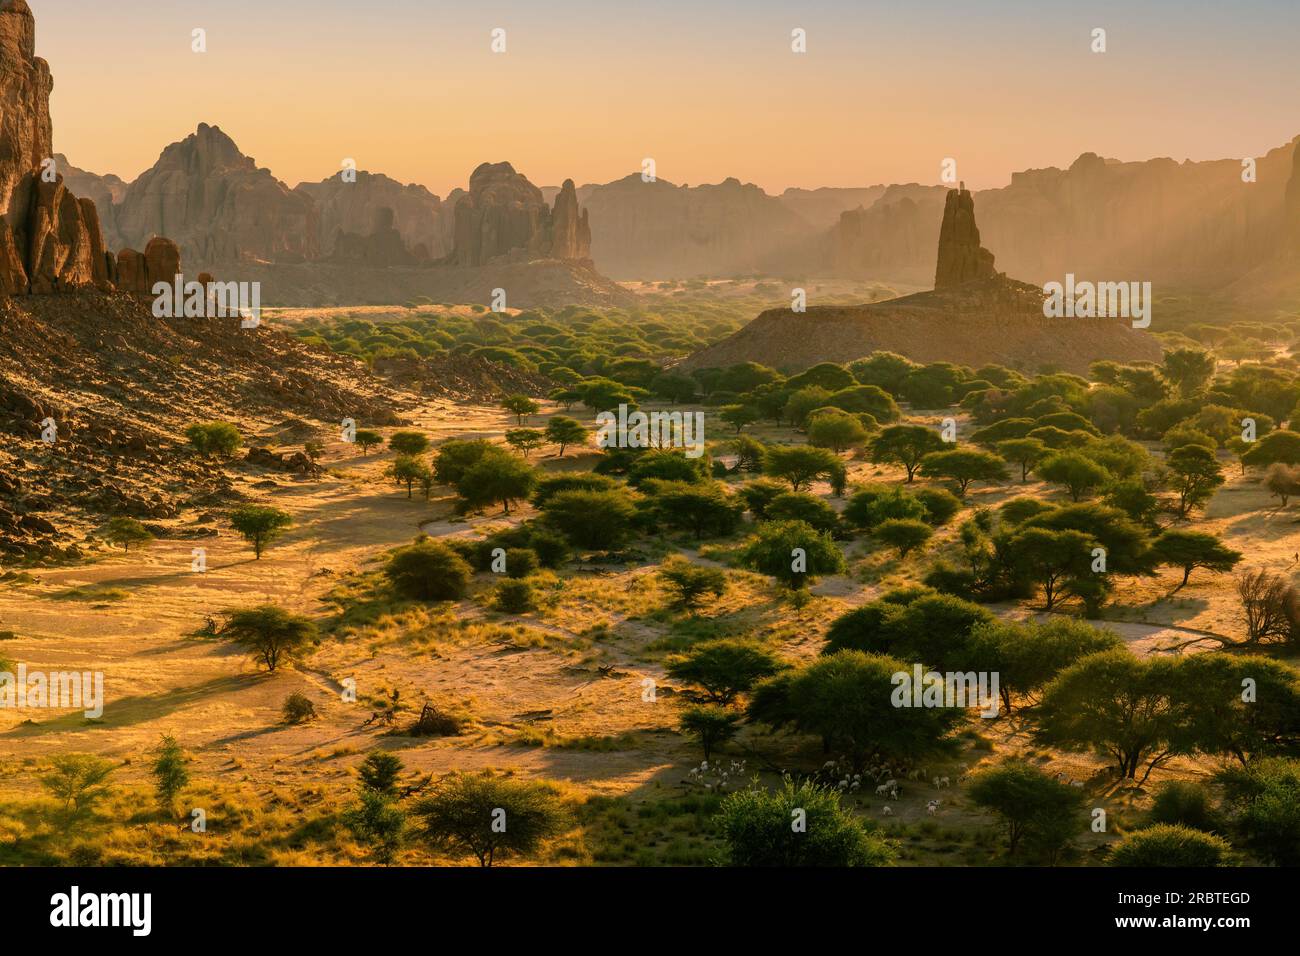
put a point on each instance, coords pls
(709, 89)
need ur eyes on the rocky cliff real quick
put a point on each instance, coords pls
(218, 206)
(504, 215)
(659, 230)
(420, 217)
(26, 135)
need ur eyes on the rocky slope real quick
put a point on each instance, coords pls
(120, 387)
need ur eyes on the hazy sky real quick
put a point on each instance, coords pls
(708, 88)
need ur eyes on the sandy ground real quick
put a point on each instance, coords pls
(161, 677)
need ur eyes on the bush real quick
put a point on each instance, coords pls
(428, 571)
(801, 506)
(940, 504)
(692, 582)
(599, 520)
(801, 825)
(1183, 802)
(298, 709)
(773, 551)
(904, 535)
(214, 438)
(521, 562)
(1170, 845)
(758, 494)
(515, 596)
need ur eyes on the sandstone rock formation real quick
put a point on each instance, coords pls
(974, 316)
(658, 230)
(894, 238)
(503, 214)
(419, 216)
(382, 246)
(961, 257)
(26, 135)
(106, 192)
(138, 271)
(218, 206)
(570, 227)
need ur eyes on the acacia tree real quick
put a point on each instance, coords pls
(409, 443)
(489, 816)
(409, 472)
(1077, 472)
(1031, 804)
(1025, 452)
(498, 477)
(905, 445)
(1282, 481)
(259, 526)
(711, 725)
(963, 466)
(520, 406)
(801, 465)
(169, 773)
(525, 440)
(1194, 473)
(269, 632)
(692, 583)
(846, 699)
(1126, 707)
(724, 668)
(564, 432)
(1189, 550)
(126, 532)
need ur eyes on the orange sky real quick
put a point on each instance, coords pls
(709, 89)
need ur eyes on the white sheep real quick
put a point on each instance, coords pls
(888, 810)
(944, 782)
(882, 789)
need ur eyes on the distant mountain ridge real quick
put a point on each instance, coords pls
(1189, 224)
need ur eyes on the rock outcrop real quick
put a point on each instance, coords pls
(138, 271)
(504, 215)
(659, 230)
(570, 227)
(106, 192)
(218, 206)
(350, 208)
(381, 247)
(26, 135)
(961, 257)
